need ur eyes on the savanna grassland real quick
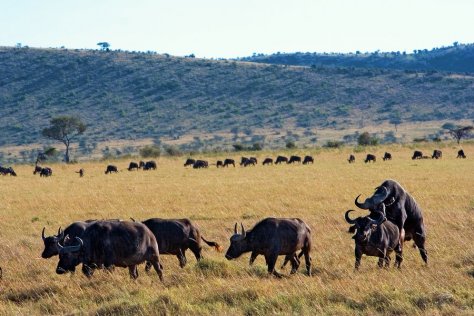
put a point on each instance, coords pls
(217, 198)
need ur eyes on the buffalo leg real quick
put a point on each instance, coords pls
(87, 270)
(358, 256)
(133, 271)
(253, 256)
(148, 266)
(271, 261)
(181, 258)
(196, 251)
(157, 266)
(419, 240)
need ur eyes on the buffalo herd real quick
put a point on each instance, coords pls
(394, 217)
(248, 161)
(437, 154)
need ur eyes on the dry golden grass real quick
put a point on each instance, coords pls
(215, 199)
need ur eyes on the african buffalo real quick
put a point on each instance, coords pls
(387, 156)
(375, 237)
(280, 159)
(248, 161)
(132, 165)
(175, 236)
(417, 155)
(268, 161)
(141, 164)
(109, 244)
(46, 172)
(254, 159)
(189, 162)
(51, 247)
(198, 164)
(81, 172)
(228, 162)
(150, 165)
(370, 158)
(4, 171)
(219, 163)
(294, 159)
(307, 160)
(402, 210)
(437, 154)
(351, 159)
(37, 169)
(461, 154)
(110, 169)
(272, 237)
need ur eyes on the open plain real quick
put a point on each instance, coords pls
(215, 199)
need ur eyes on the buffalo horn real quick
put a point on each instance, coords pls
(348, 219)
(361, 205)
(243, 229)
(42, 234)
(235, 228)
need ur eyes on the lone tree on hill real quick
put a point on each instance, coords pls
(459, 132)
(65, 129)
(104, 46)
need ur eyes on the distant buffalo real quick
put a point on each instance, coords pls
(141, 164)
(81, 172)
(294, 159)
(4, 171)
(461, 154)
(150, 165)
(228, 162)
(46, 172)
(417, 155)
(132, 166)
(370, 158)
(281, 159)
(189, 162)
(437, 154)
(307, 160)
(387, 156)
(252, 161)
(110, 169)
(271, 238)
(37, 169)
(268, 161)
(198, 164)
(351, 159)
(219, 163)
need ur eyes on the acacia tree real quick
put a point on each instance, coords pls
(65, 129)
(460, 132)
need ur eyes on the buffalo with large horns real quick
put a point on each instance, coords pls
(402, 210)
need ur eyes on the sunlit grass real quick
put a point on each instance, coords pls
(217, 198)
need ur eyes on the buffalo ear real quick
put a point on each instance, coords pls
(352, 229)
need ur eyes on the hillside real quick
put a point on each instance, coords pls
(458, 58)
(127, 97)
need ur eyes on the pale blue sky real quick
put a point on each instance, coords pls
(232, 28)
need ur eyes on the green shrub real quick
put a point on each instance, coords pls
(150, 151)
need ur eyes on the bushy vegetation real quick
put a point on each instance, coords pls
(134, 96)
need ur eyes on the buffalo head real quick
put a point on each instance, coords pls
(364, 226)
(238, 244)
(70, 255)
(51, 243)
(382, 194)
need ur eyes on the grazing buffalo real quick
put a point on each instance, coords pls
(248, 161)
(141, 164)
(46, 172)
(294, 159)
(189, 162)
(437, 154)
(417, 155)
(402, 210)
(272, 237)
(281, 159)
(81, 172)
(387, 156)
(254, 159)
(132, 166)
(4, 171)
(351, 159)
(109, 244)
(37, 169)
(175, 236)
(219, 163)
(110, 169)
(150, 165)
(461, 154)
(307, 160)
(198, 164)
(268, 161)
(370, 158)
(375, 237)
(228, 162)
